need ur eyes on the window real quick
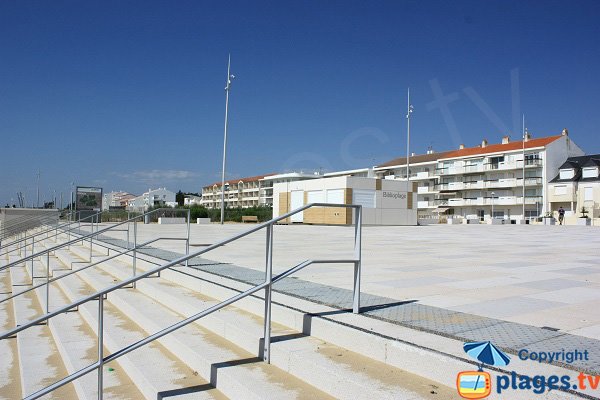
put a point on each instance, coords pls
(567, 173)
(588, 194)
(532, 159)
(590, 172)
(560, 190)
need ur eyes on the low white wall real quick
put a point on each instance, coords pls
(203, 220)
(171, 220)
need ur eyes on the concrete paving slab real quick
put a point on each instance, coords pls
(513, 255)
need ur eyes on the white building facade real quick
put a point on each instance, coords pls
(152, 198)
(471, 182)
(576, 188)
(115, 200)
(248, 192)
(384, 202)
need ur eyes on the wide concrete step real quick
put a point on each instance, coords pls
(39, 361)
(78, 344)
(155, 371)
(428, 361)
(235, 372)
(332, 369)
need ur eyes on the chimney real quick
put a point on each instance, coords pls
(484, 143)
(506, 139)
(565, 132)
(461, 146)
(412, 154)
(527, 136)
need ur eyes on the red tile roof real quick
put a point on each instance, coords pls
(419, 158)
(498, 148)
(234, 181)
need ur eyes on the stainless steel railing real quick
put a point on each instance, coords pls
(45, 232)
(267, 285)
(74, 271)
(20, 224)
(90, 236)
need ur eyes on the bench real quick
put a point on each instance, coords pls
(249, 218)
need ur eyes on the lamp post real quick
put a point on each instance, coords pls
(493, 194)
(524, 137)
(409, 111)
(227, 88)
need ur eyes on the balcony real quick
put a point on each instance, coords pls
(476, 168)
(505, 165)
(426, 189)
(426, 204)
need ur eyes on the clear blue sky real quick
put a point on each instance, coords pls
(129, 95)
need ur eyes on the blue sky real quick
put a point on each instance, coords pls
(129, 95)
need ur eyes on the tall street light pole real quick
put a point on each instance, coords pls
(524, 137)
(38, 189)
(227, 88)
(409, 111)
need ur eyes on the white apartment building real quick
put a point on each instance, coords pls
(249, 192)
(116, 200)
(153, 197)
(576, 186)
(190, 200)
(469, 182)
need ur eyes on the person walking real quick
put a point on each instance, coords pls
(561, 215)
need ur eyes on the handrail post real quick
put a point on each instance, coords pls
(134, 248)
(128, 217)
(32, 252)
(100, 346)
(358, 258)
(47, 282)
(268, 292)
(187, 242)
(69, 229)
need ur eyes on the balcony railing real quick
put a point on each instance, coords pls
(496, 201)
(465, 169)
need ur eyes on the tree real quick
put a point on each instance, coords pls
(179, 198)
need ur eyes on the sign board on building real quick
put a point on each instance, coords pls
(88, 199)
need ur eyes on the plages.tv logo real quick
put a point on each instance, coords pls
(478, 384)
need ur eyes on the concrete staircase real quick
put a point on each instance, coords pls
(216, 357)
(317, 352)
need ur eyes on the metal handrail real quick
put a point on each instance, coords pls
(44, 232)
(54, 279)
(84, 237)
(13, 224)
(267, 285)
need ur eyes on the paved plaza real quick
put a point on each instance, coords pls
(544, 276)
(519, 286)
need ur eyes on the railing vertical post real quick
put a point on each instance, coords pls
(32, 252)
(69, 229)
(47, 282)
(128, 217)
(358, 258)
(100, 346)
(187, 242)
(134, 248)
(268, 292)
